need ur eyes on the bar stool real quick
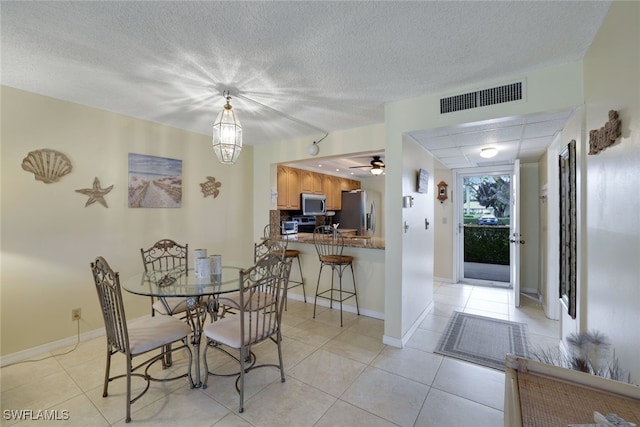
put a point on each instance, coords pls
(290, 254)
(329, 244)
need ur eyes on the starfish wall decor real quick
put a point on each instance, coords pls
(96, 194)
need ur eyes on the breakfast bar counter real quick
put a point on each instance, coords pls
(369, 260)
(350, 241)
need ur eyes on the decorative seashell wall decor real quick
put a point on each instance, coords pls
(47, 165)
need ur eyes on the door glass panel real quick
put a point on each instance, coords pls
(486, 219)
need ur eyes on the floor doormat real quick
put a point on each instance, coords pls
(483, 340)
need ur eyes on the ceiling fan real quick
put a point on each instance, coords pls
(376, 166)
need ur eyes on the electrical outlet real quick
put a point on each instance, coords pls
(75, 314)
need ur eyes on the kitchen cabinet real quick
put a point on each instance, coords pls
(337, 192)
(311, 182)
(340, 185)
(288, 188)
(292, 182)
(349, 184)
(328, 188)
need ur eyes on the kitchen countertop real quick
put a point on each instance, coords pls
(349, 241)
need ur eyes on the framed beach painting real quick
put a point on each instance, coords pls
(154, 182)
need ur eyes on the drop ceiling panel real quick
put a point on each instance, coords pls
(540, 129)
(438, 143)
(446, 152)
(510, 133)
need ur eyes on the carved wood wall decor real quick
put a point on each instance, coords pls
(568, 228)
(599, 139)
(96, 193)
(442, 191)
(210, 187)
(47, 165)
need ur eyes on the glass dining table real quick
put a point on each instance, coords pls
(201, 295)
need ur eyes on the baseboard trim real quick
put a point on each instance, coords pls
(51, 347)
(401, 342)
(345, 307)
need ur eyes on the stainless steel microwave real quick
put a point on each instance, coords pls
(313, 204)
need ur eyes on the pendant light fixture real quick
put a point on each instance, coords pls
(227, 134)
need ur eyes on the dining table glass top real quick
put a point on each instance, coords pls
(182, 282)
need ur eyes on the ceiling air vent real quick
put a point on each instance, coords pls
(481, 98)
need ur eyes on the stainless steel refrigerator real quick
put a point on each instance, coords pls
(358, 212)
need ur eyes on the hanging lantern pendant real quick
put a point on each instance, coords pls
(227, 134)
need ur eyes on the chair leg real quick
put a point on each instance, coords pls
(333, 274)
(129, 363)
(206, 366)
(315, 301)
(340, 271)
(168, 359)
(304, 293)
(241, 388)
(279, 340)
(355, 291)
(105, 391)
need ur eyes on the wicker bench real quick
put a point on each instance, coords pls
(537, 394)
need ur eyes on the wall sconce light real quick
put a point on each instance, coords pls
(313, 149)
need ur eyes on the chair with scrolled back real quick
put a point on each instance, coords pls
(166, 254)
(136, 338)
(261, 301)
(266, 246)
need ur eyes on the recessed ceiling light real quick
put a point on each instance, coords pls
(488, 152)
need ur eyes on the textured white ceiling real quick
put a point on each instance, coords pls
(332, 65)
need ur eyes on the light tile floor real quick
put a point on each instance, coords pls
(335, 376)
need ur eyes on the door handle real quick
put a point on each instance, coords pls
(517, 241)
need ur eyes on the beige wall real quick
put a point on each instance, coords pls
(49, 237)
(443, 225)
(611, 291)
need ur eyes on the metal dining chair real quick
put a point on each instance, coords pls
(262, 293)
(266, 246)
(329, 244)
(166, 254)
(136, 338)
